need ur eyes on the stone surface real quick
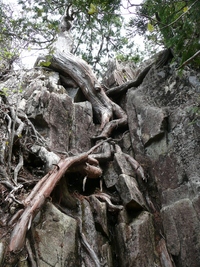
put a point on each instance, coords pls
(136, 242)
(129, 192)
(56, 117)
(122, 166)
(110, 175)
(159, 223)
(100, 215)
(95, 230)
(172, 153)
(56, 239)
(83, 127)
(181, 225)
(165, 258)
(2, 249)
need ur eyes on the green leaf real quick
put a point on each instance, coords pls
(150, 27)
(4, 91)
(93, 9)
(185, 9)
(45, 63)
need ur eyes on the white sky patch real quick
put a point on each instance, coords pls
(28, 58)
(128, 12)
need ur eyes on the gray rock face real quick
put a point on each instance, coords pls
(56, 238)
(56, 117)
(130, 194)
(181, 224)
(133, 222)
(163, 132)
(136, 242)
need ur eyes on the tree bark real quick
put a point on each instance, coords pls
(67, 64)
(104, 109)
(42, 191)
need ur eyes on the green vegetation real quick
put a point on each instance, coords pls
(100, 30)
(171, 23)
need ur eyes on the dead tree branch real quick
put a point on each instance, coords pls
(189, 60)
(161, 59)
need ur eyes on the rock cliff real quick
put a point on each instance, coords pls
(144, 209)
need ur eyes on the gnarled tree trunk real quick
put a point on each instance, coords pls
(68, 64)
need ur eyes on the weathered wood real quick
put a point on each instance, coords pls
(68, 64)
(104, 109)
(36, 199)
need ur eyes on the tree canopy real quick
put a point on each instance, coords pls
(174, 24)
(100, 29)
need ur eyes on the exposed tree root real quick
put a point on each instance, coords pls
(18, 167)
(30, 253)
(104, 108)
(90, 251)
(121, 121)
(110, 115)
(134, 164)
(42, 191)
(106, 198)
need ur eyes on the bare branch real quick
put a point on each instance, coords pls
(18, 167)
(189, 60)
(183, 14)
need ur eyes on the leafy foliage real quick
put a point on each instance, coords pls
(96, 26)
(9, 45)
(172, 23)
